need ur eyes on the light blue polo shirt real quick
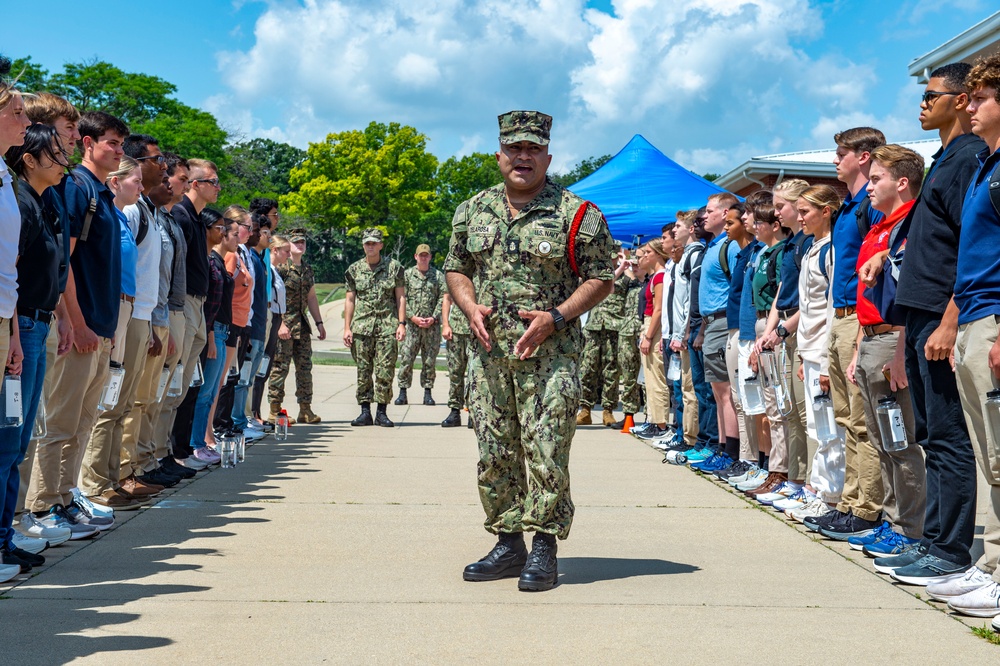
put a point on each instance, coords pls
(713, 292)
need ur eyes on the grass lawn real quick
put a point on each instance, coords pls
(329, 291)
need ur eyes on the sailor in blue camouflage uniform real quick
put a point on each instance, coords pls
(541, 257)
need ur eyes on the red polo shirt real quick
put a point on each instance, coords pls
(876, 241)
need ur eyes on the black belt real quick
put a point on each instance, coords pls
(709, 318)
(785, 314)
(38, 315)
(762, 314)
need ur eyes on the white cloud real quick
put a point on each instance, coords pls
(709, 82)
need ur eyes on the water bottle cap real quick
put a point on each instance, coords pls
(887, 400)
(995, 393)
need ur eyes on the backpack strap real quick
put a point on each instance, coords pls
(823, 252)
(91, 205)
(995, 191)
(724, 258)
(862, 218)
(143, 223)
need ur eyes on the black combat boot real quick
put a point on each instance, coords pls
(365, 418)
(401, 400)
(541, 570)
(381, 419)
(428, 400)
(506, 560)
(454, 420)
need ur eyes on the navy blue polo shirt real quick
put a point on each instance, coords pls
(977, 284)
(97, 261)
(788, 293)
(736, 283)
(846, 242)
(55, 198)
(259, 315)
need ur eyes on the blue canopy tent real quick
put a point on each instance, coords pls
(640, 189)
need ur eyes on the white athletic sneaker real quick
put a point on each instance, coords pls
(781, 492)
(755, 480)
(959, 584)
(996, 623)
(29, 544)
(815, 509)
(250, 435)
(89, 507)
(984, 602)
(54, 533)
(9, 572)
(733, 481)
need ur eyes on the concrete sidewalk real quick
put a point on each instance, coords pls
(346, 545)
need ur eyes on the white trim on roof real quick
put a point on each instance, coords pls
(966, 47)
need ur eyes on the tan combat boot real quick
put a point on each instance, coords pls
(583, 416)
(275, 410)
(609, 417)
(306, 414)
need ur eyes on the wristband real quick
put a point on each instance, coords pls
(319, 323)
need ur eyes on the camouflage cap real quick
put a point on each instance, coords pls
(296, 235)
(372, 235)
(532, 126)
(423, 247)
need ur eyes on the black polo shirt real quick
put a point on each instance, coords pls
(197, 246)
(927, 278)
(39, 252)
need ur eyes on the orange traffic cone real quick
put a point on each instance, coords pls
(629, 424)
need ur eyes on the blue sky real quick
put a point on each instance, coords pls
(710, 82)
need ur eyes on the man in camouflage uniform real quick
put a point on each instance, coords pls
(374, 322)
(425, 288)
(629, 360)
(599, 361)
(300, 297)
(542, 257)
(458, 336)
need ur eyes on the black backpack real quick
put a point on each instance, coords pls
(862, 218)
(724, 258)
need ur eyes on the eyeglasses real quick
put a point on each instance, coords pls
(214, 182)
(221, 229)
(160, 159)
(245, 226)
(930, 95)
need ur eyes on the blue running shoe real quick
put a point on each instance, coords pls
(893, 544)
(880, 532)
(722, 462)
(698, 455)
(708, 464)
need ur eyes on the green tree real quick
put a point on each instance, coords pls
(711, 177)
(189, 132)
(31, 77)
(581, 170)
(381, 177)
(100, 86)
(258, 168)
(458, 178)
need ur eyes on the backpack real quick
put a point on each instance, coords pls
(84, 183)
(687, 266)
(995, 191)
(798, 250)
(862, 218)
(143, 223)
(724, 258)
(771, 271)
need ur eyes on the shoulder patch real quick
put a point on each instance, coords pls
(592, 221)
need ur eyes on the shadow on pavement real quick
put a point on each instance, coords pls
(70, 607)
(583, 570)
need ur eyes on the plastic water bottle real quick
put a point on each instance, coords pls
(674, 369)
(10, 400)
(768, 362)
(164, 382)
(245, 373)
(281, 426)
(753, 395)
(826, 424)
(41, 427)
(890, 424)
(241, 447)
(112, 387)
(993, 417)
(176, 386)
(198, 376)
(265, 363)
(227, 450)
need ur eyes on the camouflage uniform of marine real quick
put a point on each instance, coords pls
(524, 411)
(374, 325)
(458, 356)
(599, 361)
(423, 299)
(299, 281)
(629, 360)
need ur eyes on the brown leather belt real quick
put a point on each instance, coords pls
(840, 313)
(762, 314)
(709, 318)
(127, 298)
(872, 331)
(785, 314)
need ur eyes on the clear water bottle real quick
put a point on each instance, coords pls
(227, 450)
(176, 386)
(198, 376)
(265, 364)
(241, 447)
(112, 387)
(753, 396)
(993, 417)
(245, 373)
(674, 369)
(768, 362)
(890, 424)
(10, 400)
(161, 389)
(281, 426)
(41, 427)
(826, 423)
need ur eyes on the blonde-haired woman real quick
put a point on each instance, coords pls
(653, 262)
